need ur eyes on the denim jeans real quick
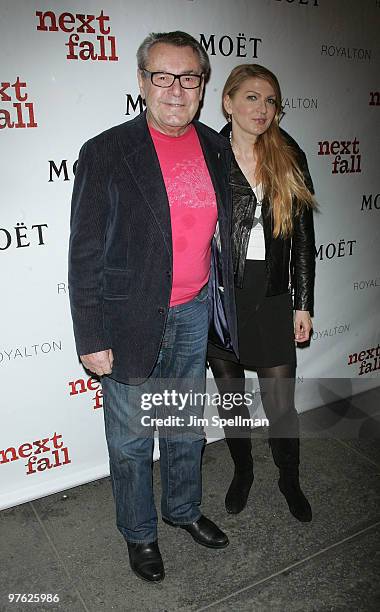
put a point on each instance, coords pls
(180, 367)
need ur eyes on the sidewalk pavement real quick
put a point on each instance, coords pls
(67, 543)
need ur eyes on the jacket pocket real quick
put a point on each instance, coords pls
(116, 283)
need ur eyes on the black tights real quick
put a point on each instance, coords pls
(277, 386)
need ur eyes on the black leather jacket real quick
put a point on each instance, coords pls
(292, 257)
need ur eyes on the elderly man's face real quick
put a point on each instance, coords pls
(171, 109)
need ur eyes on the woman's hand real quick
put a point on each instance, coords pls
(302, 325)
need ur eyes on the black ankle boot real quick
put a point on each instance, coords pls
(289, 486)
(285, 453)
(238, 491)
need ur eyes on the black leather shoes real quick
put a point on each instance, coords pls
(146, 561)
(204, 532)
(238, 491)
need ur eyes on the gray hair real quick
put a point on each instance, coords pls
(177, 39)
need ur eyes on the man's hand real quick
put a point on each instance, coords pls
(302, 325)
(99, 363)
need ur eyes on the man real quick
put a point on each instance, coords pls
(146, 199)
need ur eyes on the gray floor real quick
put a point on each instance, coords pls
(67, 543)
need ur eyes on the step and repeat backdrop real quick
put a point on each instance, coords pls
(68, 71)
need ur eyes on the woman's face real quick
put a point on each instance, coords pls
(252, 107)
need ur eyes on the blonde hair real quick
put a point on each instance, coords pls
(277, 168)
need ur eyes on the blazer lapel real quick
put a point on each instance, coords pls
(141, 158)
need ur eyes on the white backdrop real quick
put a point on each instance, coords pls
(71, 73)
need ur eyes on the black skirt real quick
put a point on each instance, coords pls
(265, 324)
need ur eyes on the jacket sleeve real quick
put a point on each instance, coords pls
(303, 249)
(89, 213)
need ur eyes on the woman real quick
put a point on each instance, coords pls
(273, 241)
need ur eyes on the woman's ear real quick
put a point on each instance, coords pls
(227, 104)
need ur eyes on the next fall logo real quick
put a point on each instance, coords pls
(42, 454)
(90, 384)
(369, 360)
(18, 110)
(101, 46)
(347, 154)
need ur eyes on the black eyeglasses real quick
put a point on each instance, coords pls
(166, 79)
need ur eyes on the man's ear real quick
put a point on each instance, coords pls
(141, 82)
(202, 89)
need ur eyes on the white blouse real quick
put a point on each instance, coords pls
(256, 244)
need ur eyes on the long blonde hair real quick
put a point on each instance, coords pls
(277, 168)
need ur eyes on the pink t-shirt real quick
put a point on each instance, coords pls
(193, 210)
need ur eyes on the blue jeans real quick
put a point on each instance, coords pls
(180, 367)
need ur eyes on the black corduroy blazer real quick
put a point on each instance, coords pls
(120, 256)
